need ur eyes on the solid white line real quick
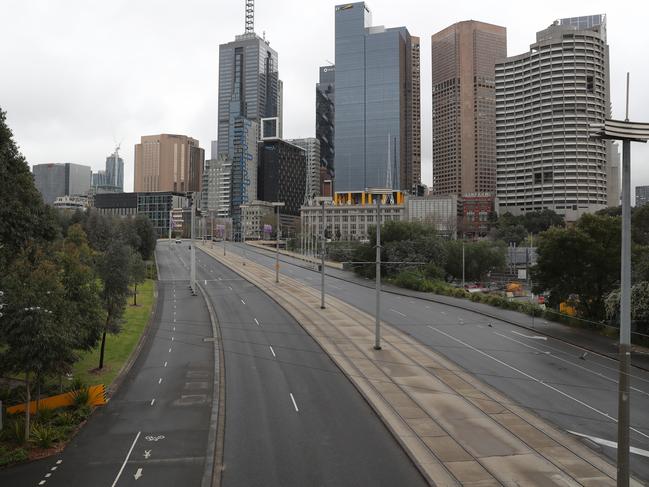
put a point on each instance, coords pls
(160, 380)
(272, 351)
(294, 403)
(612, 444)
(534, 337)
(243, 301)
(534, 379)
(598, 374)
(398, 312)
(126, 459)
(165, 364)
(152, 401)
(257, 322)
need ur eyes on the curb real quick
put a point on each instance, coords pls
(121, 375)
(484, 313)
(216, 436)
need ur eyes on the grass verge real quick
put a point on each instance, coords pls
(118, 347)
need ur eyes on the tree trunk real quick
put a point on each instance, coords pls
(135, 296)
(103, 346)
(27, 409)
(38, 393)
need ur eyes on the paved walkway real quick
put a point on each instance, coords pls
(458, 430)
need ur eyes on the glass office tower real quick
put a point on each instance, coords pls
(374, 118)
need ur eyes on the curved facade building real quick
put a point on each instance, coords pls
(545, 101)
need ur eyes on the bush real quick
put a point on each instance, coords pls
(82, 412)
(80, 397)
(65, 419)
(14, 430)
(8, 457)
(43, 435)
(45, 415)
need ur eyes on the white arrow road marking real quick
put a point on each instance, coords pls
(126, 459)
(294, 403)
(533, 337)
(612, 444)
(138, 474)
(147, 453)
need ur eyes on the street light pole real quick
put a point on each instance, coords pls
(377, 324)
(277, 204)
(322, 264)
(638, 132)
(192, 276)
(463, 282)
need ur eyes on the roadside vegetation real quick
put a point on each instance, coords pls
(66, 280)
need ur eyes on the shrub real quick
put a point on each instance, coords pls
(45, 415)
(80, 397)
(12, 456)
(65, 418)
(43, 435)
(82, 412)
(15, 430)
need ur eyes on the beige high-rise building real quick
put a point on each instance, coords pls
(168, 162)
(464, 106)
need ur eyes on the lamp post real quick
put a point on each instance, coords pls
(322, 261)
(192, 276)
(278, 205)
(627, 132)
(379, 192)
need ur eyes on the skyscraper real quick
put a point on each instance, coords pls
(325, 98)
(375, 118)
(112, 178)
(54, 180)
(641, 196)
(311, 147)
(546, 99)
(168, 162)
(249, 90)
(464, 106)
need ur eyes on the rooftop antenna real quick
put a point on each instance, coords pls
(250, 16)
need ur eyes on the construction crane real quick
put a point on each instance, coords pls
(250, 16)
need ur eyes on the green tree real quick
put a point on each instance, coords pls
(35, 332)
(480, 258)
(100, 230)
(640, 225)
(23, 215)
(136, 271)
(536, 222)
(584, 260)
(113, 269)
(146, 233)
(81, 288)
(639, 305)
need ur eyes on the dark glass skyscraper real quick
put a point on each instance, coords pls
(375, 119)
(325, 98)
(248, 84)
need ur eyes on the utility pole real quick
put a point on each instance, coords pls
(463, 282)
(627, 132)
(277, 204)
(192, 276)
(322, 263)
(377, 314)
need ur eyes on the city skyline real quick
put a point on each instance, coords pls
(118, 102)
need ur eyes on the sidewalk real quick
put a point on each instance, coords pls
(582, 337)
(457, 430)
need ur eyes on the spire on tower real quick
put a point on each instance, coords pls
(250, 16)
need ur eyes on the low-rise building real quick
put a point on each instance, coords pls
(346, 221)
(439, 211)
(156, 206)
(71, 203)
(253, 216)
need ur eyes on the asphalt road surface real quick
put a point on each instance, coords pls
(292, 418)
(545, 375)
(154, 431)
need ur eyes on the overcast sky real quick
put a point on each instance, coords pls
(77, 76)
